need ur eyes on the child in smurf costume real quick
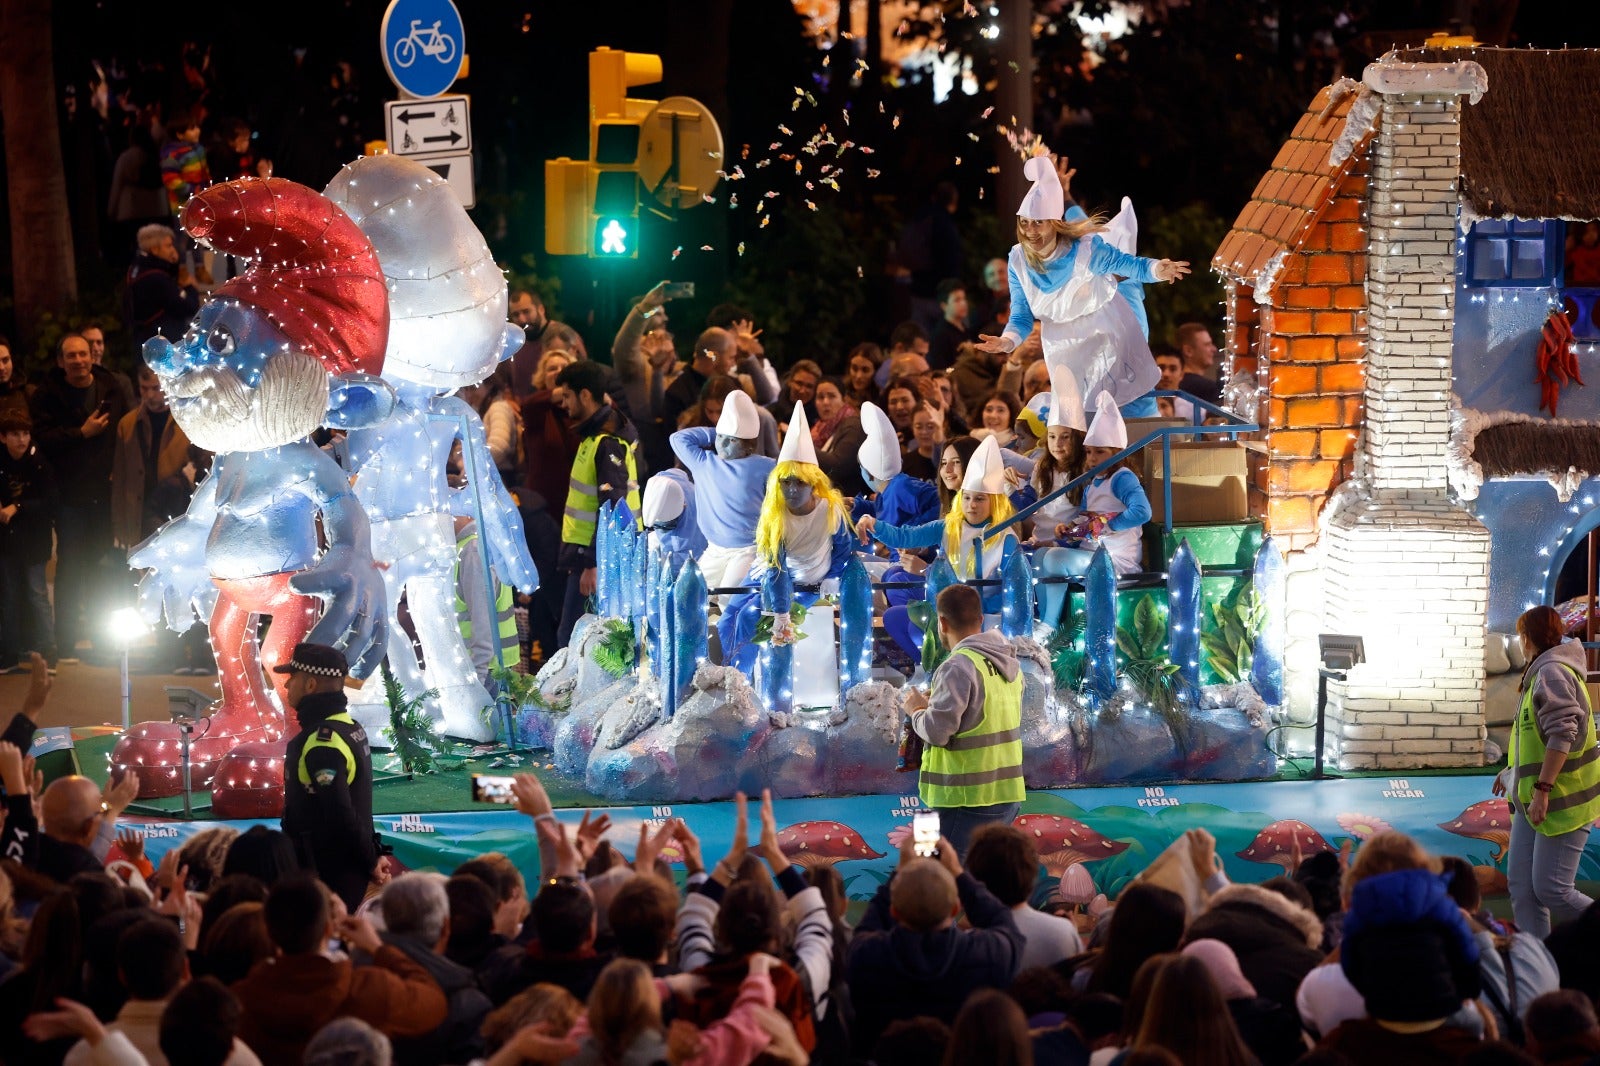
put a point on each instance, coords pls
(982, 502)
(804, 525)
(1115, 506)
(1063, 273)
(669, 517)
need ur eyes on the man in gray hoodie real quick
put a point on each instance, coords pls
(971, 721)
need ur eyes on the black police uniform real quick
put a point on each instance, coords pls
(327, 802)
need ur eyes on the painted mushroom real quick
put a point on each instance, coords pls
(1076, 886)
(1278, 843)
(1488, 820)
(1062, 842)
(810, 844)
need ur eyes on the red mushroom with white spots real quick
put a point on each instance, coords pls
(1062, 842)
(811, 844)
(1488, 820)
(1285, 842)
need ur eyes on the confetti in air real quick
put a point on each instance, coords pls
(677, 251)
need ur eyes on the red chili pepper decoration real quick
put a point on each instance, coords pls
(1558, 364)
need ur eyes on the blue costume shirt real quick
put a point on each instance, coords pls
(731, 490)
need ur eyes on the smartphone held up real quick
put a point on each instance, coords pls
(925, 834)
(492, 788)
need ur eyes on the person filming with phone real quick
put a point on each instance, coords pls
(971, 723)
(327, 796)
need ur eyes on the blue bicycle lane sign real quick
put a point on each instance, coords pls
(423, 44)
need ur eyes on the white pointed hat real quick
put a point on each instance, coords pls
(797, 446)
(663, 499)
(739, 418)
(986, 470)
(880, 452)
(1066, 402)
(1045, 200)
(1108, 430)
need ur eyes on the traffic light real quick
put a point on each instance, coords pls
(592, 205)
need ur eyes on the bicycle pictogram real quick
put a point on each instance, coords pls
(430, 42)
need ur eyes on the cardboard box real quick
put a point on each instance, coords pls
(1208, 482)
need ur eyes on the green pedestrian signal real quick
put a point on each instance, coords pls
(614, 238)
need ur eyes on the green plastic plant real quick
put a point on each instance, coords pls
(618, 649)
(1230, 645)
(1147, 667)
(1067, 656)
(411, 731)
(797, 615)
(934, 652)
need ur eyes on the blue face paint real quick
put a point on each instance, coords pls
(875, 484)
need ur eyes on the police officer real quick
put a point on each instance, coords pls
(327, 801)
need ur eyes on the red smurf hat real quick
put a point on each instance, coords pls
(315, 275)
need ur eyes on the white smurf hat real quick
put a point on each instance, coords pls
(739, 418)
(880, 452)
(797, 446)
(1066, 402)
(1109, 430)
(1045, 200)
(986, 470)
(663, 499)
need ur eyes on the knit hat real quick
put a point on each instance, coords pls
(663, 500)
(880, 452)
(315, 275)
(1407, 949)
(986, 470)
(1066, 402)
(1046, 200)
(1223, 966)
(739, 418)
(797, 446)
(1108, 430)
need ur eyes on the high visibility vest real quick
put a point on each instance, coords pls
(329, 737)
(505, 618)
(1575, 800)
(982, 766)
(583, 495)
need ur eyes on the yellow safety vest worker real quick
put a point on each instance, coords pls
(983, 766)
(583, 495)
(1575, 799)
(505, 618)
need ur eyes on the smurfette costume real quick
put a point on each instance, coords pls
(1088, 323)
(985, 473)
(815, 547)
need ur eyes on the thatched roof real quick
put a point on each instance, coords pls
(1512, 449)
(1527, 148)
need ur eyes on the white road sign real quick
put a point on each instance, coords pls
(429, 127)
(457, 170)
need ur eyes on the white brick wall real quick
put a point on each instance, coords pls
(1404, 567)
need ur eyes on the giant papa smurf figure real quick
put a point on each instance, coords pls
(804, 525)
(1064, 275)
(447, 329)
(293, 344)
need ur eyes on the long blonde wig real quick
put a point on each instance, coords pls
(1066, 233)
(955, 539)
(775, 514)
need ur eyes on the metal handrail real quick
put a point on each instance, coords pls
(1232, 428)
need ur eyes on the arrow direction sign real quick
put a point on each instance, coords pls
(455, 169)
(428, 127)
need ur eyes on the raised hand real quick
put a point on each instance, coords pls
(532, 799)
(131, 841)
(120, 795)
(768, 847)
(39, 684)
(590, 831)
(729, 866)
(994, 345)
(689, 844)
(650, 845)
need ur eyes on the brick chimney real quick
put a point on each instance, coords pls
(1404, 566)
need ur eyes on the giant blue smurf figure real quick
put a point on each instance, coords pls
(295, 343)
(447, 330)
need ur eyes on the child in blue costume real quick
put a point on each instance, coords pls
(1115, 507)
(805, 522)
(1064, 274)
(901, 499)
(1059, 466)
(669, 517)
(980, 503)
(732, 482)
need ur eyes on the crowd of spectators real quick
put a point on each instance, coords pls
(226, 951)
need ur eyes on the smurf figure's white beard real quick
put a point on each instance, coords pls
(222, 414)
